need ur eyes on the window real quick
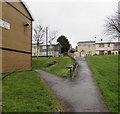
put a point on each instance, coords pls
(50, 47)
(108, 45)
(101, 45)
(44, 47)
(82, 46)
(90, 52)
(34, 54)
(34, 47)
(101, 52)
(116, 45)
(89, 45)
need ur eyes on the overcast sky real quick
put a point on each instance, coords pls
(78, 20)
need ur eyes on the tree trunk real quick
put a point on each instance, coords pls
(37, 52)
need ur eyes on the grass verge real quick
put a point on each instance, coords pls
(105, 70)
(58, 69)
(26, 92)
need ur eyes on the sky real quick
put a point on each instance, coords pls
(78, 20)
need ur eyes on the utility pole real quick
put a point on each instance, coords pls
(47, 41)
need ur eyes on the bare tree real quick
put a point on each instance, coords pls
(39, 33)
(112, 26)
(52, 37)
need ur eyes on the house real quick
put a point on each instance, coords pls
(86, 48)
(16, 44)
(50, 50)
(107, 48)
(90, 48)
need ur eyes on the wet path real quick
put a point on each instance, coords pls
(79, 95)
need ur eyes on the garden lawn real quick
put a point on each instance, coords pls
(57, 69)
(105, 70)
(26, 92)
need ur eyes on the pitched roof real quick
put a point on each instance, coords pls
(85, 42)
(27, 8)
(35, 44)
(106, 42)
(23, 3)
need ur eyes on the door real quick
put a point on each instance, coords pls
(109, 52)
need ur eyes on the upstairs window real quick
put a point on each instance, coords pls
(34, 47)
(50, 47)
(108, 45)
(44, 47)
(89, 45)
(82, 46)
(101, 45)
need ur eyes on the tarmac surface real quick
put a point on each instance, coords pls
(79, 95)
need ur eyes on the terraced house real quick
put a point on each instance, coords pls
(51, 50)
(86, 48)
(90, 48)
(16, 29)
(47, 50)
(107, 48)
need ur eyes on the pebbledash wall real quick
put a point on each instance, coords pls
(16, 45)
(90, 48)
(86, 48)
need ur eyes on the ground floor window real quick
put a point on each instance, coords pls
(89, 53)
(33, 54)
(101, 52)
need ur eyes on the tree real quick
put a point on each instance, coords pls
(112, 26)
(64, 43)
(52, 37)
(39, 33)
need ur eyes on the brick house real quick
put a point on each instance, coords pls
(16, 39)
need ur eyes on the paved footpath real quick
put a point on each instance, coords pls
(80, 95)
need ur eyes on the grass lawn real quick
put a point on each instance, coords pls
(26, 92)
(105, 70)
(57, 69)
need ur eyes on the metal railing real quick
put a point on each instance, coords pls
(72, 70)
